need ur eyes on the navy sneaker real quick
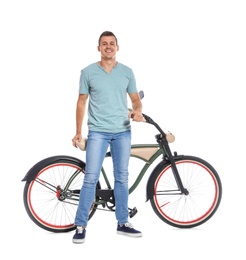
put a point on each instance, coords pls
(128, 230)
(79, 236)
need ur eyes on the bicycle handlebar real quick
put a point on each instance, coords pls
(169, 136)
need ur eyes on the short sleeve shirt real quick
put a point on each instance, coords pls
(107, 108)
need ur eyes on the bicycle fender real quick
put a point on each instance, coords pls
(31, 174)
(152, 177)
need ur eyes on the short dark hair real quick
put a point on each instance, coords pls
(107, 33)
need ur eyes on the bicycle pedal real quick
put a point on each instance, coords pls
(133, 212)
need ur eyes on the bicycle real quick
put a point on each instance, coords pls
(184, 191)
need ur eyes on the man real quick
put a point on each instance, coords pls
(107, 84)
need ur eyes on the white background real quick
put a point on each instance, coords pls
(188, 57)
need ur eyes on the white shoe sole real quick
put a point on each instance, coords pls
(130, 234)
(78, 241)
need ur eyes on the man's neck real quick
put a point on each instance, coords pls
(107, 64)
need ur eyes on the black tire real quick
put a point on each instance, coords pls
(51, 199)
(186, 211)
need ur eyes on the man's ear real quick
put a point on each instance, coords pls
(98, 48)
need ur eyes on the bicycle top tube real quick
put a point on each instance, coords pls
(144, 151)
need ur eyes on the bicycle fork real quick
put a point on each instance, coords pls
(168, 153)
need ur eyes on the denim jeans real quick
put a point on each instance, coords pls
(97, 145)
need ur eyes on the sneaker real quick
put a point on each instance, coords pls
(79, 236)
(128, 230)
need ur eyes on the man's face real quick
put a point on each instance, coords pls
(108, 47)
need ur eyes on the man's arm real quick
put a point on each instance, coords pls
(80, 113)
(136, 107)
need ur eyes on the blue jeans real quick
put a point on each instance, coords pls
(97, 145)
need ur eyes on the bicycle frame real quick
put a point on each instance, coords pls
(145, 152)
(148, 153)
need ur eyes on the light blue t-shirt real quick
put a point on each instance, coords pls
(107, 108)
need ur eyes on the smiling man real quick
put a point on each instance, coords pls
(107, 84)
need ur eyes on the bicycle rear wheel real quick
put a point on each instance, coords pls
(203, 198)
(51, 198)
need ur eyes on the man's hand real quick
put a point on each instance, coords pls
(136, 116)
(77, 138)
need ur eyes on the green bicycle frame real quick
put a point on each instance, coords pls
(145, 152)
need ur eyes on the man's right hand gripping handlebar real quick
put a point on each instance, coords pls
(136, 115)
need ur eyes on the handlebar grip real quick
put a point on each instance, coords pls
(144, 120)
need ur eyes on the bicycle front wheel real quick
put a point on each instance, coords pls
(51, 198)
(204, 188)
